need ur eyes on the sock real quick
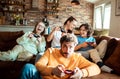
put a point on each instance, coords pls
(100, 64)
(106, 69)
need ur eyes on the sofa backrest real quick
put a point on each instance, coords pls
(8, 39)
(112, 44)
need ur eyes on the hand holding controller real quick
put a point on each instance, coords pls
(35, 35)
(90, 43)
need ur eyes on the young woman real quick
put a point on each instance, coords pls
(28, 45)
(87, 47)
(58, 32)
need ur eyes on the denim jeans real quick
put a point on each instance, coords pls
(29, 71)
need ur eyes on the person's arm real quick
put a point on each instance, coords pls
(23, 39)
(80, 46)
(92, 70)
(41, 64)
(51, 35)
(42, 44)
(88, 68)
(92, 42)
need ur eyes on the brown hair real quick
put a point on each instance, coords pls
(34, 30)
(69, 38)
(87, 27)
(71, 18)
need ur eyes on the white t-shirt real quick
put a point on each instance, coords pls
(56, 39)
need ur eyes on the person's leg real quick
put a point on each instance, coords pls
(38, 57)
(101, 48)
(84, 53)
(29, 71)
(94, 54)
(104, 67)
(24, 56)
(11, 55)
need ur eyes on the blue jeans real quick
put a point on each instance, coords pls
(29, 71)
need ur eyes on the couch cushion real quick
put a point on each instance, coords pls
(105, 38)
(110, 48)
(8, 39)
(97, 38)
(114, 60)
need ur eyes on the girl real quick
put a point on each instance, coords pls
(28, 45)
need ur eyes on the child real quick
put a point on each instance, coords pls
(28, 45)
(87, 47)
(85, 40)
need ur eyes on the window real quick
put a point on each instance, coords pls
(98, 17)
(102, 16)
(107, 13)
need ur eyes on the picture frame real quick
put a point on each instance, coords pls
(117, 8)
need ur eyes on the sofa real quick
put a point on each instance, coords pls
(12, 69)
(111, 57)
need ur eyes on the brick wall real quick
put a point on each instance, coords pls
(83, 13)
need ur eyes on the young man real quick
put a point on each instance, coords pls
(61, 63)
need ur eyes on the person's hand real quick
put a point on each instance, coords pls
(64, 33)
(30, 35)
(77, 74)
(56, 29)
(39, 39)
(58, 71)
(93, 44)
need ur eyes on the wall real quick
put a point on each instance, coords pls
(83, 13)
(115, 20)
(16, 28)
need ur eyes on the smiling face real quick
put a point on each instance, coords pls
(40, 28)
(83, 31)
(71, 25)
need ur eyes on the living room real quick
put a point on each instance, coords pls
(34, 10)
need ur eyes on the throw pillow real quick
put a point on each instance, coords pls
(114, 60)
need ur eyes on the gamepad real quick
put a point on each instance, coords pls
(62, 30)
(35, 35)
(90, 43)
(69, 72)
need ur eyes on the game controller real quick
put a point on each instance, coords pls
(62, 30)
(89, 43)
(69, 72)
(35, 35)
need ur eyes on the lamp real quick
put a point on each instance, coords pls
(75, 2)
